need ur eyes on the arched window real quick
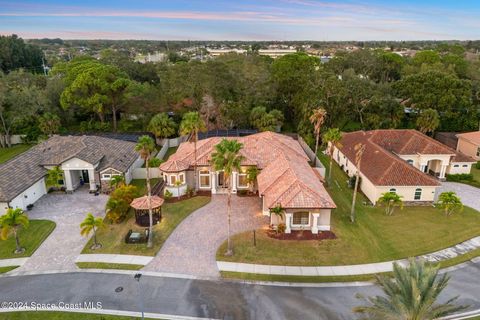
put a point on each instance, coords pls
(393, 190)
(410, 162)
(418, 194)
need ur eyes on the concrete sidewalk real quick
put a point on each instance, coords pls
(13, 262)
(114, 258)
(347, 270)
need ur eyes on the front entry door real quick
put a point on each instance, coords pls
(85, 177)
(221, 179)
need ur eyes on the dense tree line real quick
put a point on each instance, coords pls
(364, 89)
(16, 54)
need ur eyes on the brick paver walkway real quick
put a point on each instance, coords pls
(61, 248)
(191, 248)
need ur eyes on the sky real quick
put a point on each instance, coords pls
(279, 20)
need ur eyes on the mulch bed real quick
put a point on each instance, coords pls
(247, 194)
(302, 235)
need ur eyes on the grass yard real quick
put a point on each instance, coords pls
(476, 173)
(6, 269)
(112, 237)
(169, 152)
(142, 185)
(30, 239)
(8, 153)
(54, 315)
(375, 237)
(100, 265)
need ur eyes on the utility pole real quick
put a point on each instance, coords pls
(359, 149)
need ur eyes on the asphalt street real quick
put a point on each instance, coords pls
(211, 299)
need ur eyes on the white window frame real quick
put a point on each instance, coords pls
(207, 174)
(181, 177)
(393, 190)
(465, 166)
(415, 194)
(300, 225)
(456, 165)
(172, 176)
(238, 180)
(410, 162)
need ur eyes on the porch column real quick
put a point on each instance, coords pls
(443, 169)
(422, 167)
(91, 178)
(315, 222)
(288, 223)
(213, 182)
(68, 180)
(234, 182)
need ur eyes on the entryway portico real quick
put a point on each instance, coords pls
(78, 172)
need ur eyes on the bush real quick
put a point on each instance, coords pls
(477, 165)
(459, 177)
(351, 181)
(281, 228)
(119, 202)
(94, 126)
(167, 195)
(190, 192)
(154, 162)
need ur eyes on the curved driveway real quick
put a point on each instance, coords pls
(191, 248)
(470, 195)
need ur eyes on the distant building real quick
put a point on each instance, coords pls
(469, 144)
(273, 53)
(151, 57)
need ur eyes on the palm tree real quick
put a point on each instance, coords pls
(11, 221)
(317, 119)
(117, 181)
(390, 200)
(252, 174)
(428, 121)
(359, 149)
(53, 176)
(227, 158)
(332, 137)
(192, 124)
(177, 184)
(91, 224)
(162, 126)
(410, 295)
(278, 211)
(449, 202)
(145, 146)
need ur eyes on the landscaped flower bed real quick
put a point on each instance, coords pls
(301, 235)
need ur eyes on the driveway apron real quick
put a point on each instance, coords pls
(61, 248)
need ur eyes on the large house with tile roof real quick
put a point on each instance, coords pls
(469, 144)
(286, 178)
(84, 160)
(403, 161)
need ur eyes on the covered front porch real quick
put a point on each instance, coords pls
(78, 173)
(435, 166)
(314, 220)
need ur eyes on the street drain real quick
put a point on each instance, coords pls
(119, 289)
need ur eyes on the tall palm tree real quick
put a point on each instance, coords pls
(192, 124)
(449, 202)
(390, 200)
(12, 221)
(162, 126)
(227, 158)
(410, 295)
(332, 136)
(145, 146)
(428, 121)
(317, 119)
(359, 149)
(91, 224)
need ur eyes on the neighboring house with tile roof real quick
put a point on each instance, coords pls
(90, 160)
(403, 161)
(469, 144)
(286, 177)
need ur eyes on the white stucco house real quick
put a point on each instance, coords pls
(403, 161)
(469, 144)
(87, 160)
(286, 178)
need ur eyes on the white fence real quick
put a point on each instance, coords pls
(141, 173)
(169, 143)
(312, 156)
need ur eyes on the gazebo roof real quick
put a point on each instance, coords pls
(142, 203)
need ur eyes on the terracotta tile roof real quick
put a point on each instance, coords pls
(24, 170)
(286, 175)
(142, 202)
(380, 165)
(473, 137)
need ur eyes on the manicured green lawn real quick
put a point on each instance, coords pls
(8, 153)
(99, 265)
(169, 152)
(141, 184)
(53, 315)
(375, 237)
(6, 269)
(112, 237)
(476, 173)
(30, 239)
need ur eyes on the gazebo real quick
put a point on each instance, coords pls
(141, 210)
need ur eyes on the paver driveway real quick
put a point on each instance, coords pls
(191, 248)
(469, 195)
(61, 248)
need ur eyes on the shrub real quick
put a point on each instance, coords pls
(167, 195)
(477, 165)
(281, 228)
(154, 162)
(119, 202)
(190, 192)
(351, 181)
(459, 177)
